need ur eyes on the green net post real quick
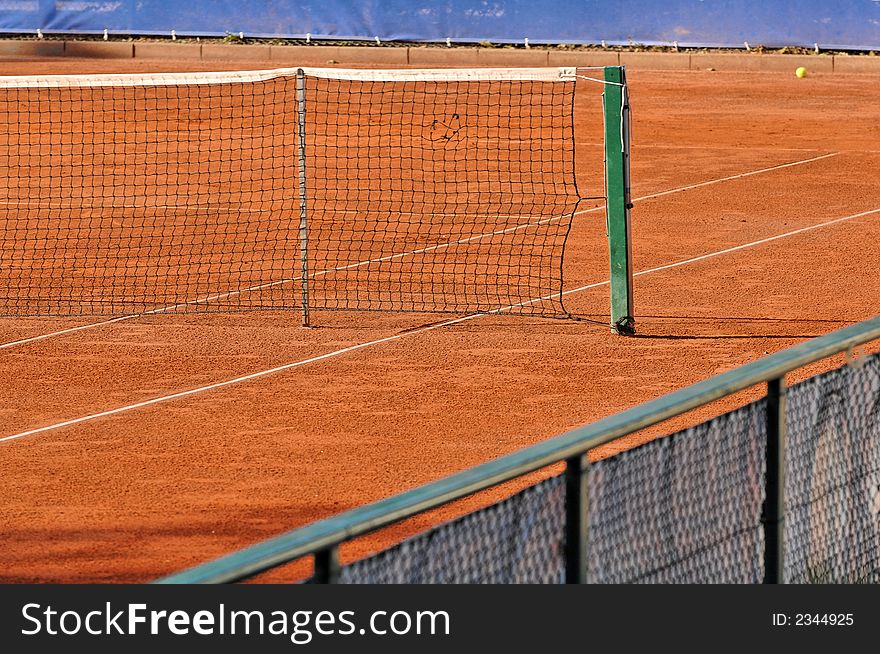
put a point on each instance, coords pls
(303, 205)
(615, 102)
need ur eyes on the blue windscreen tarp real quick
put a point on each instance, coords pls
(837, 24)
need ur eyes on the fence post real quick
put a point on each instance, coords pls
(773, 514)
(303, 207)
(327, 566)
(576, 504)
(615, 106)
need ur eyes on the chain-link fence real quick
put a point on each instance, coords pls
(682, 509)
(687, 508)
(519, 540)
(832, 508)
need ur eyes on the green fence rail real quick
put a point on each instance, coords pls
(323, 538)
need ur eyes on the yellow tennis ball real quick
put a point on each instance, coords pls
(801, 72)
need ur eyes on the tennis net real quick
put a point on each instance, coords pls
(407, 190)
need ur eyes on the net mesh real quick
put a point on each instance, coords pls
(518, 540)
(444, 191)
(682, 509)
(144, 197)
(460, 200)
(832, 513)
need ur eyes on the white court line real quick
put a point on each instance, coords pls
(438, 246)
(670, 146)
(199, 210)
(319, 273)
(237, 380)
(421, 330)
(754, 243)
(767, 148)
(62, 332)
(741, 175)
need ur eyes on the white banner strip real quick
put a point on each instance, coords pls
(242, 77)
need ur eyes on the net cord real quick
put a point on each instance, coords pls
(242, 77)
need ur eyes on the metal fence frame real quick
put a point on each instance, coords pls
(323, 538)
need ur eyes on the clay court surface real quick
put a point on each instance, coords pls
(756, 224)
